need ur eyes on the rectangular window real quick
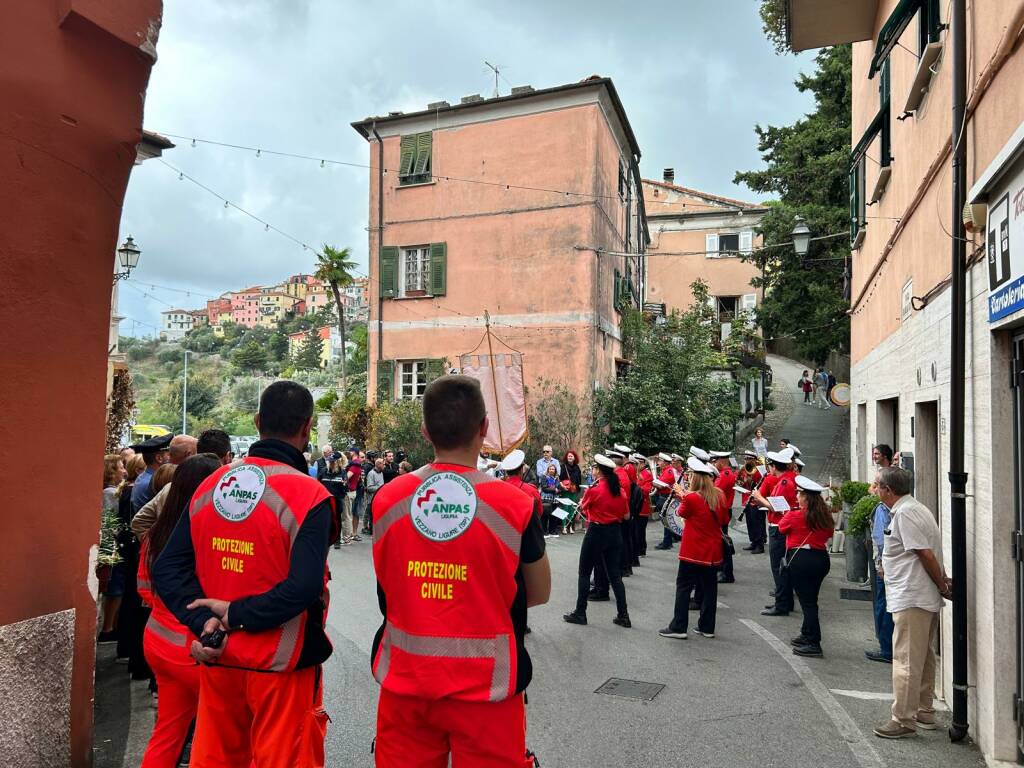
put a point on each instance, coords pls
(729, 244)
(857, 203)
(907, 300)
(415, 271)
(727, 306)
(416, 159)
(711, 245)
(412, 379)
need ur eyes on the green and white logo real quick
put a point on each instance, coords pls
(238, 492)
(443, 506)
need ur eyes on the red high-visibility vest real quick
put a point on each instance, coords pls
(244, 521)
(446, 543)
(167, 636)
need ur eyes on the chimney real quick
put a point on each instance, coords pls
(521, 89)
(475, 98)
(670, 175)
(438, 105)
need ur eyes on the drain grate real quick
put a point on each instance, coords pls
(630, 689)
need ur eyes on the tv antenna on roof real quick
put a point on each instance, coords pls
(497, 73)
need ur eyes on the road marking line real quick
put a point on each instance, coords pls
(722, 605)
(863, 752)
(880, 696)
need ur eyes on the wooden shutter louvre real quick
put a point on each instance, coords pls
(424, 146)
(408, 155)
(616, 289)
(385, 381)
(435, 368)
(438, 269)
(747, 241)
(711, 244)
(389, 271)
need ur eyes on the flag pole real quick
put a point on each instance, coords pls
(494, 380)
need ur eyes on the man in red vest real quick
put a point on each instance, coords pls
(246, 571)
(459, 557)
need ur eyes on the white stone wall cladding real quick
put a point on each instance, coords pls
(890, 370)
(35, 690)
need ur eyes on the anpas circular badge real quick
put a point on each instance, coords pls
(443, 506)
(238, 492)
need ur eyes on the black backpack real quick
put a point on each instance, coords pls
(636, 500)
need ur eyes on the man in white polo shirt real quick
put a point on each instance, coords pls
(915, 586)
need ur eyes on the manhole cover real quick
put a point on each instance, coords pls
(630, 689)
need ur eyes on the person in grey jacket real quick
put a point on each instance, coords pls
(374, 482)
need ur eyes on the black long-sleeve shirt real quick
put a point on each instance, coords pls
(175, 581)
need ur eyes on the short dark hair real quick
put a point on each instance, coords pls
(885, 450)
(215, 441)
(453, 409)
(285, 408)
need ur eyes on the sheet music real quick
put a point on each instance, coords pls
(779, 503)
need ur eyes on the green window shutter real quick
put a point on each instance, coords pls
(408, 155)
(884, 97)
(385, 381)
(617, 289)
(424, 145)
(853, 203)
(436, 368)
(438, 269)
(389, 271)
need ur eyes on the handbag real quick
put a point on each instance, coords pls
(784, 564)
(727, 546)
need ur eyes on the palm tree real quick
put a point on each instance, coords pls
(334, 266)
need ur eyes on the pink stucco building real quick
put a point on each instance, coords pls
(526, 206)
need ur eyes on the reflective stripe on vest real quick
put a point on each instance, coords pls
(287, 646)
(494, 649)
(164, 632)
(503, 530)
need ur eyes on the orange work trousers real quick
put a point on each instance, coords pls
(178, 685)
(422, 733)
(260, 719)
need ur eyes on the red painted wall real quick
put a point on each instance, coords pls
(73, 77)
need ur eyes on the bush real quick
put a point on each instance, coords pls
(558, 417)
(327, 401)
(396, 426)
(172, 355)
(859, 521)
(853, 491)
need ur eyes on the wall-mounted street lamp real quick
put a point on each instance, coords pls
(128, 258)
(801, 236)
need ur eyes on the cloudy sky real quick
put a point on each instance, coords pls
(695, 76)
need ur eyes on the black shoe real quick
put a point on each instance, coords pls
(636, 562)
(773, 611)
(597, 597)
(799, 640)
(627, 573)
(662, 546)
(623, 621)
(726, 579)
(757, 551)
(813, 650)
(770, 605)
(107, 637)
(748, 547)
(877, 656)
(574, 618)
(772, 594)
(527, 630)
(694, 605)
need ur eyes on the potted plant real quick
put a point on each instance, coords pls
(858, 528)
(851, 492)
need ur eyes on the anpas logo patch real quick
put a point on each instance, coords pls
(443, 506)
(238, 492)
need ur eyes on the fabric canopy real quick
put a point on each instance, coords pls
(504, 395)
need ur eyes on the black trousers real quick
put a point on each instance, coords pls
(756, 524)
(783, 585)
(640, 536)
(726, 556)
(690, 577)
(807, 570)
(600, 551)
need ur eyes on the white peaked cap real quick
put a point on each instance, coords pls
(782, 457)
(696, 465)
(665, 457)
(794, 449)
(799, 463)
(721, 454)
(604, 461)
(614, 454)
(514, 460)
(808, 485)
(699, 453)
(624, 449)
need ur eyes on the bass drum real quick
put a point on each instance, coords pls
(670, 516)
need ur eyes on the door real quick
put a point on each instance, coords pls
(926, 455)
(1017, 367)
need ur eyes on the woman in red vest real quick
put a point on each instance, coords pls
(700, 551)
(166, 641)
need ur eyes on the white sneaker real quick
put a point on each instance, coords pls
(708, 635)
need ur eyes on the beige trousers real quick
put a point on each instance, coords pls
(346, 515)
(913, 664)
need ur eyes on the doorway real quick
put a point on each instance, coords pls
(1017, 367)
(862, 441)
(887, 422)
(926, 455)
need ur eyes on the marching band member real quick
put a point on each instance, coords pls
(750, 477)
(513, 466)
(645, 479)
(725, 482)
(676, 468)
(784, 485)
(606, 506)
(807, 531)
(599, 591)
(700, 551)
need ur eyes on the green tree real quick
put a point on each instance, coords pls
(773, 21)
(202, 339)
(334, 267)
(806, 167)
(360, 355)
(203, 396)
(679, 389)
(557, 416)
(396, 426)
(277, 346)
(310, 352)
(250, 357)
